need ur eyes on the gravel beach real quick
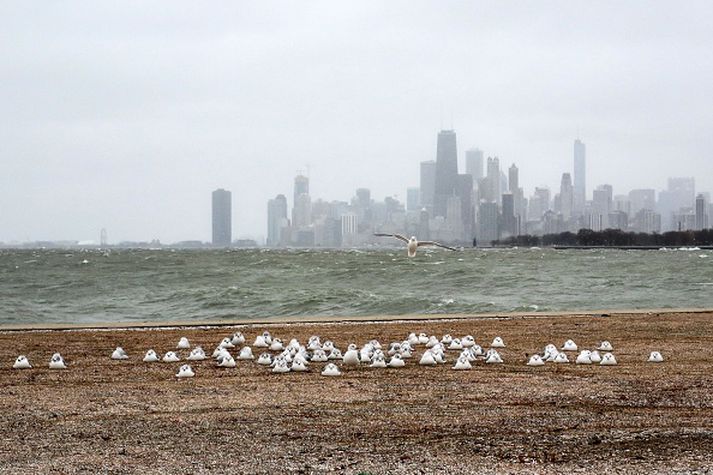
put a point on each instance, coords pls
(107, 416)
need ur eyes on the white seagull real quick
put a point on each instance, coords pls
(413, 243)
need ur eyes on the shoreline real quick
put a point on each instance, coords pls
(106, 416)
(324, 319)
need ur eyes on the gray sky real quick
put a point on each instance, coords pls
(126, 115)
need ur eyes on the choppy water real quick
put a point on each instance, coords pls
(134, 285)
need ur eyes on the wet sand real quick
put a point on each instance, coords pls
(105, 416)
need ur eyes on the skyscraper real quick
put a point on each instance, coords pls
(540, 203)
(350, 226)
(513, 179)
(642, 199)
(474, 164)
(222, 221)
(301, 187)
(566, 196)
(488, 217)
(465, 193)
(508, 221)
(580, 176)
(601, 207)
(302, 204)
(446, 171)
(680, 193)
(412, 199)
(428, 184)
(491, 189)
(701, 215)
(276, 219)
(363, 197)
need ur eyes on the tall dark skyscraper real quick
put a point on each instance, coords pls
(446, 171)
(580, 176)
(222, 218)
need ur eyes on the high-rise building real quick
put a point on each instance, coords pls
(474, 164)
(621, 203)
(363, 197)
(301, 187)
(684, 191)
(513, 179)
(491, 189)
(508, 220)
(539, 203)
(642, 199)
(647, 221)
(680, 193)
(465, 193)
(601, 206)
(302, 211)
(454, 218)
(276, 219)
(350, 226)
(566, 197)
(222, 221)
(412, 199)
(446, 170)
(701, 215)
(302, 204)
(423, 227)
(428, 184)
(362, 206)
(580, 176)
(618, 220)
(520, 209)
(488, 217)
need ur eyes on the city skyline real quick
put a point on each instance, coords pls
(494, 185)
(124, 122)
(484, 205)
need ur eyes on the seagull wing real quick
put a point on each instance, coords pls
(437, 244)
(397, 236)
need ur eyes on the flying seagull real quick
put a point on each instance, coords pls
(413, 243)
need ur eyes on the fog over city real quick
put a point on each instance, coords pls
(127, 115)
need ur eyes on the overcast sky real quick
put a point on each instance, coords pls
(126, 115)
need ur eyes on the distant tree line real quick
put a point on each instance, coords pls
(613, 238)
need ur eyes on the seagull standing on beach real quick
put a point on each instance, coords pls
(413, 243)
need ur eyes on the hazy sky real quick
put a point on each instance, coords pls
(126, 115)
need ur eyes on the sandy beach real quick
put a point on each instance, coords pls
(105, 416)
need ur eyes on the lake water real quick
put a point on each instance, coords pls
(60, 286)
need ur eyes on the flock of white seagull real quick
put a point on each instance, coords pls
(297, 357)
